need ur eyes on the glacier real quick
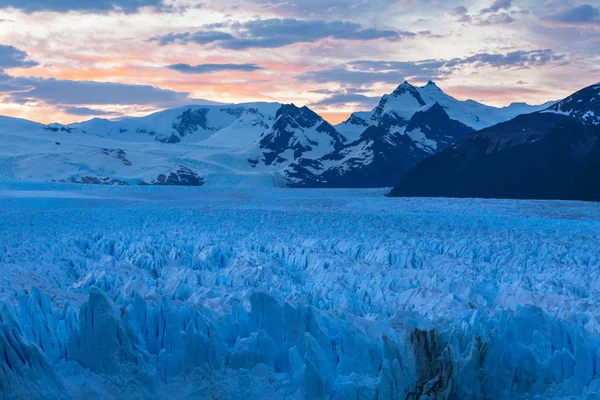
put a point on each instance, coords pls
(253, 293)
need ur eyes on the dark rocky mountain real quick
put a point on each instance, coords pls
(583, 105)
(551, 154)
(383, 153)
(183, 176)
(296, 132)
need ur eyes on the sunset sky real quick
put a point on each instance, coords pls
(71, 60)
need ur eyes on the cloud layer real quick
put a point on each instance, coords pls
(128, 6)
(368, 72)
(276, 32)
(210, 68)
(92, 58)
(69, 92)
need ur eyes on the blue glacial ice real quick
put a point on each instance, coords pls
(152, 293)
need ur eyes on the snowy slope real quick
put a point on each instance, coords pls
(40, 153)
(191, 123)
(202, 141)
(140, 293)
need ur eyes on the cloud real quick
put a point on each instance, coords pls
(514, 59)
(581, 15)
(101, 6)
(460, 10)
(366, 72)
(430, 34)
(210, 68)
(67, 93)
(494, 15)
(488, 16)
(85, 111)
(11, 57)
(346, 76)
(276, 32)
(343, 98)
(329, 8)
(497, 19)
(200, 37)
(498, 5)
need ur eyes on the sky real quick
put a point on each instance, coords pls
(71, 60)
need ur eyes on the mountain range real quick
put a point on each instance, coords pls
(549, 154)
(249, 144)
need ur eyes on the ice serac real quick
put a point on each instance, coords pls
(300, 349)
(551, 154)
(383, 153)
(366, 297)
(296, 132)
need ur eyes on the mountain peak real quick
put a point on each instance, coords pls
(403, 88)
(303, 116)
(287, 109)
(582, 105)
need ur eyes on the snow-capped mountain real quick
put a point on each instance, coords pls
(189, 123)
(258, 143)
(296, 132)
(382, 154)
(407, 99)
(407, 126)
(554, 153)
(174, 147)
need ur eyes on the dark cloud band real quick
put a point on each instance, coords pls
(580, 15)
(11, 57)
(67, 92)
(275, 32)
(211, 68)
(128, 6)
(367, 72)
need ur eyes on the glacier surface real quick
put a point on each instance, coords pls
(214, 293)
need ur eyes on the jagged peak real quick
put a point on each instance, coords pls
(304, 116)
(404, 87)
(287, 109)
(431, 85)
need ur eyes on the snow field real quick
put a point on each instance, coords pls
(272, 293)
